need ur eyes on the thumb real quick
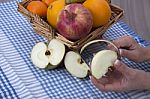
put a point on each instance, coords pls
(126, 53)
(121, 67)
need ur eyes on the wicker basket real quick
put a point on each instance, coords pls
(43, 28)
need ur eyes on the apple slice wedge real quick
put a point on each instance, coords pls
(75, 65)
(101, 62)
(48, 56)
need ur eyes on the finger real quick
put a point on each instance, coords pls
(122, 42)
(104, 87)
(121, 67)
(103, 80)
(126, 53)
(125, 41)
(111, 47)
(99, 85)
(112, 87)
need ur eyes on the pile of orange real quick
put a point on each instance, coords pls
(39, 7)
(48, 2)
(53, 11)
(100, 10)
(50, 9)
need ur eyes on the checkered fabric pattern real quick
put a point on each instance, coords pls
(20, 79)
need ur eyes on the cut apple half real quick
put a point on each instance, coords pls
(75, 65)
(101, 62)
(48, 56)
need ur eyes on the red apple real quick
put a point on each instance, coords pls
(74, 22)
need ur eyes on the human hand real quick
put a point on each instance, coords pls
(129, 48)
(123, 78)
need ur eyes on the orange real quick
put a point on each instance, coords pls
(53, 11)
(100, 10)
(48, 2)
(37, 7)
(108, 1)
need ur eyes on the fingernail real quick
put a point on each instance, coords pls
(90, 77)
(121, 51)
(117, 63)
(108, 45)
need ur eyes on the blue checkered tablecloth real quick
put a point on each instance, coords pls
(20, 79)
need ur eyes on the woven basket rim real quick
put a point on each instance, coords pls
(43, 28)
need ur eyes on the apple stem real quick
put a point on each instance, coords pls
(73, 1)
(47, 52)
(89, 73)
(111, 68)
(70, 15)
(81, 61)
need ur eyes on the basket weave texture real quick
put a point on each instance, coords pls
(42, 27)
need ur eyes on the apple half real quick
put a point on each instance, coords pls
(100, 63)
(48, 56)
(75, 65)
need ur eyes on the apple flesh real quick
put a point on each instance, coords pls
(74, 22)
(74, 64)
(101, 62)
(48, 56)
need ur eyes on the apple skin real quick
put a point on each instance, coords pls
(74, 22)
